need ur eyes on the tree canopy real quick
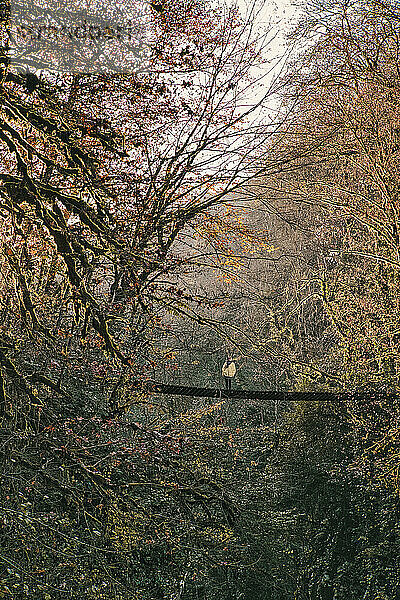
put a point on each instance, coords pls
(211, 200)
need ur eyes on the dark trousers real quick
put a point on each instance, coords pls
(228, 383)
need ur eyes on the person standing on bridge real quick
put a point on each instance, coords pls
(228, 372)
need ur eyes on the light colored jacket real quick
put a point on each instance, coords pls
(229, 369)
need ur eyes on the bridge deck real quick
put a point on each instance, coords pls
(180, 390)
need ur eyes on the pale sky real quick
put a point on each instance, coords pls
(280, 16)
(282, 11)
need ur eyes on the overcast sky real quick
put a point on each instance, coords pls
(282, 11)
(281, 16)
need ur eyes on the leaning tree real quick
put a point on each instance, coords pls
(103, 173)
